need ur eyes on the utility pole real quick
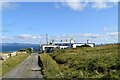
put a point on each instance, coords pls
(47, 39)
(87, 41)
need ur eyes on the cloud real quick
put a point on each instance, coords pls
(94, 38)
(90, 35)
(8, 5)
(77, 37)
(63, 37)
(113, 34)
(23, 38)
(110, 37)
(110, 29)
(78, 5)
(102, 5)
(28, 36)
(73, 5)
(6, 39)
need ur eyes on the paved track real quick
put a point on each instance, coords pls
(27, 69)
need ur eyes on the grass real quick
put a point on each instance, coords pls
(11, 62)
(0, 69)
(83, 62)
(49, 66)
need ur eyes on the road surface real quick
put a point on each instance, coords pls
(27, 69)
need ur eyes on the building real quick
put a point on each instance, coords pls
(62, 45)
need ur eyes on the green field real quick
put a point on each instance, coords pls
(83, 62)
(11, 62)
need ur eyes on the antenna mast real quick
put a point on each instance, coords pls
(47, 39)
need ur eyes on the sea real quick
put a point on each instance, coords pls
(11, 47)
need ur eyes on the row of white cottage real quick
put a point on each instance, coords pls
(63, 45)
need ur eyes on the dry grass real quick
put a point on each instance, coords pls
(11, 62)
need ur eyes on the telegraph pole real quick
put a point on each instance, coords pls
(47, 39)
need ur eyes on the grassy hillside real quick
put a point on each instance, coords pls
(83, 62)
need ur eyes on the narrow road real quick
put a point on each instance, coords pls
(27, 69)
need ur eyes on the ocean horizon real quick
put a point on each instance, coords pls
(11, 47)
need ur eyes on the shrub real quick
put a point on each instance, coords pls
(28, 50)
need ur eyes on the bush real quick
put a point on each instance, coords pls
(28, 50)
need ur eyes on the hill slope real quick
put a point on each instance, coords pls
(83, 62)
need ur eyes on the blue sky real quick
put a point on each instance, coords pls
(28, 22)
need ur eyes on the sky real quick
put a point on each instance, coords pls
(29, 22)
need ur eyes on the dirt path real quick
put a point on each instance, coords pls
(27, 69)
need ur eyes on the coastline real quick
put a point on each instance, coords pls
(15, 47)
